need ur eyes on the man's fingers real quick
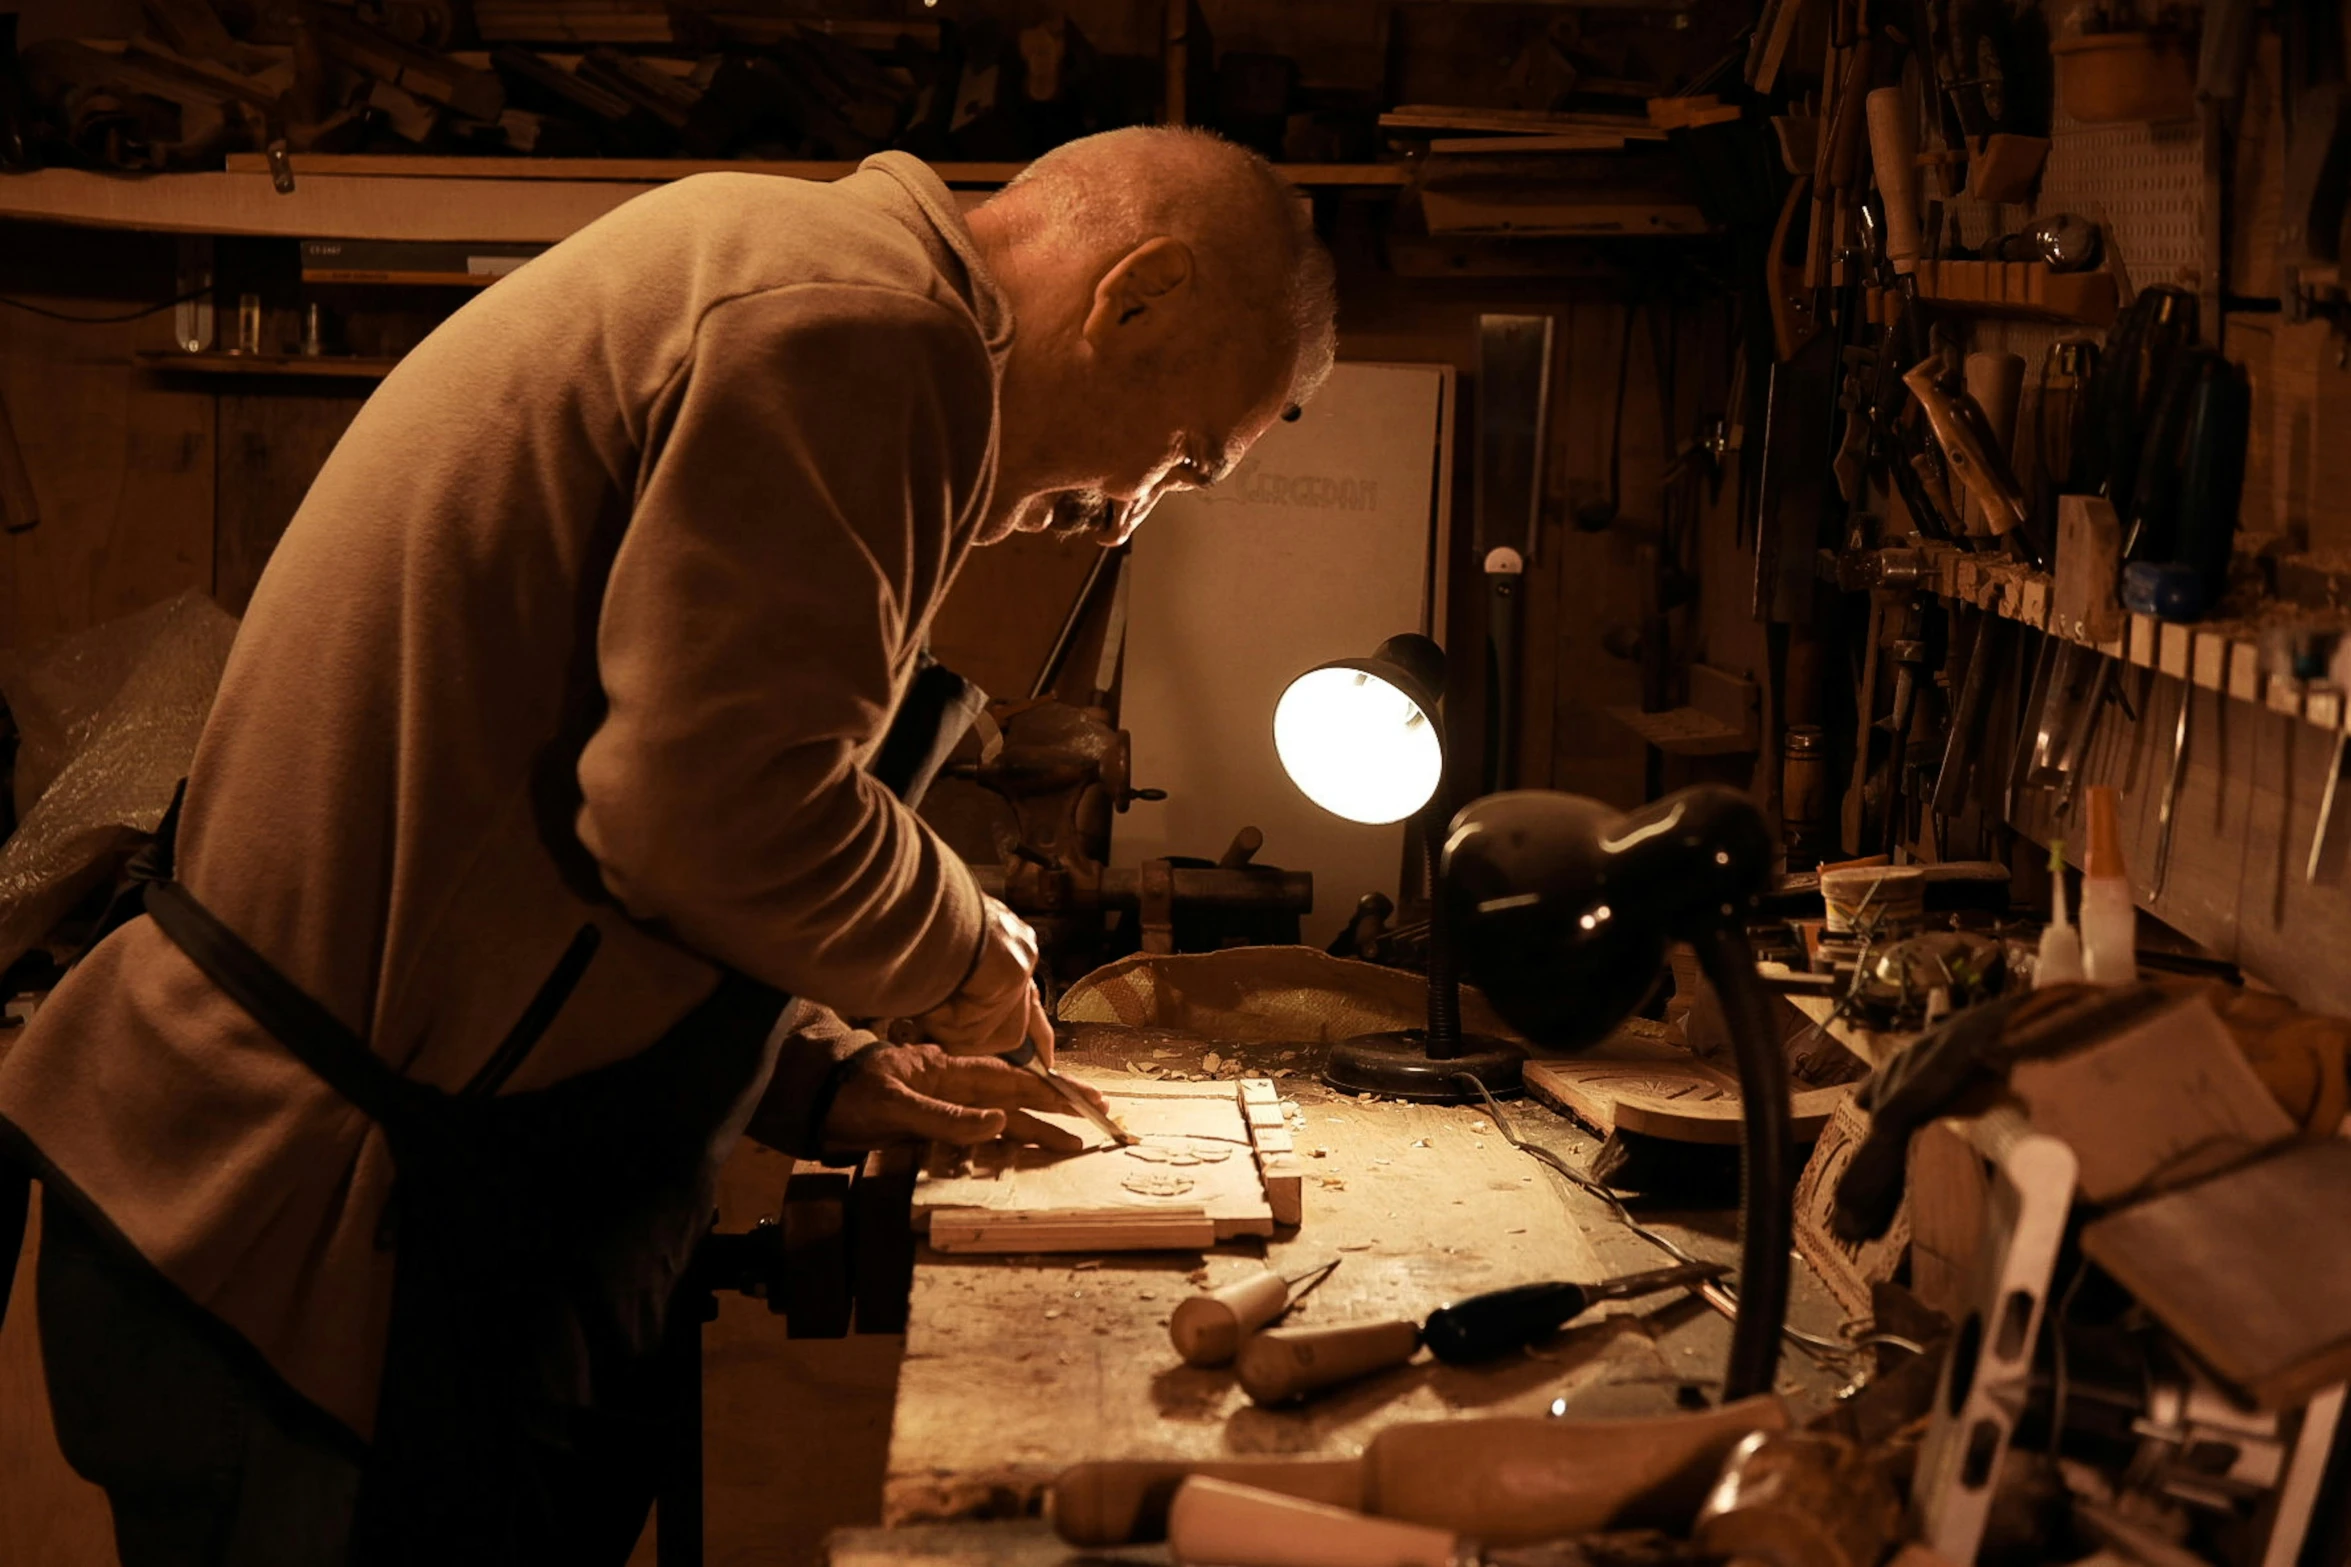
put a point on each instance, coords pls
(1023, 1127)
(917, 1114)
(984, 1080)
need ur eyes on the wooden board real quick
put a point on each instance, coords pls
(1632, 1084)
(1191, 1182)
(2251, 1270)
(1847, 1269)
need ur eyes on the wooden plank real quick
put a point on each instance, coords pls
(2273, 1320)
(322, 367)
(1195, 1163)
(656, 170)
(321, 206)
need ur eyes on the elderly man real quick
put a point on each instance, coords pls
(538, 783)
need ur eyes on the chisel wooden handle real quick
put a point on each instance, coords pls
(1515, 1479)
(1285, 1363)
(1126, 1501)
(1208, 1329)
(1996, 381)
(1893, 151)
(1227, 1525)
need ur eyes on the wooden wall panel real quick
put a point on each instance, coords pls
(272, 445)
(121, 465)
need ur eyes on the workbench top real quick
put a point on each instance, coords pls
(1017, 1367)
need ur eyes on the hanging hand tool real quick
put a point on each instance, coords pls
(1505, 581)
(1209, 1329)
(2183, 516)
(1995, 381)
(2168, 810)
(1994, 647)
(1974, 452)
(1280, 1364)
(2030, 723)
(1910, 657)
(1893, 155)
(1910, 465)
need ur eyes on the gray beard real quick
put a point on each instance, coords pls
(1082, 514)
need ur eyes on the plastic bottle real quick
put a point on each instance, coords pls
(2109, 920)
(2060, 961)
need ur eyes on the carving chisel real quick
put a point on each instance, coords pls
(1026, 1059)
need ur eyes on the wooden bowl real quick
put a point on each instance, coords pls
(2106, 77)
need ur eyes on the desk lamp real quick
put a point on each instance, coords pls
(1563, 908)
(1360, 738)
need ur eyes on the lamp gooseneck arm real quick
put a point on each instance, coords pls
(1766, 1162)
(1444, 1019)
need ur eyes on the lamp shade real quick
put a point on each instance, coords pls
(1359, 737)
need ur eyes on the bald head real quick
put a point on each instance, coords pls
(1250, 234)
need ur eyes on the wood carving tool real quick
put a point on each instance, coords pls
(1973, 450)
(2326, 804)
(1503, 1479)
(1996, 382)
(1209, 1329)
(1893, 153)
(1500, 1322)
(1281, 1364)
(2168, 810)
(1026, 1059)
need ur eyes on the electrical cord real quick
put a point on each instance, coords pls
(113, 320)
(1721, 1298)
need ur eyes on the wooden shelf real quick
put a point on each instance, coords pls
(2028, 290)
(320, 367)
(2218, 655)
(514, 200)
(403, 166)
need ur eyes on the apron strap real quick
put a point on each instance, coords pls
(316, 1036)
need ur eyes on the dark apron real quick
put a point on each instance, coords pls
(541, 1235)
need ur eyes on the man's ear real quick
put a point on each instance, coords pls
(1151, 277)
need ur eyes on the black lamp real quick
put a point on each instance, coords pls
(1360, 737)
(1563, 908)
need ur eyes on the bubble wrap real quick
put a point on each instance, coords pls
(1274, 994)
(109, 719)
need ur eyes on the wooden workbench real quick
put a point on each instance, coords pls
(1019, 1366)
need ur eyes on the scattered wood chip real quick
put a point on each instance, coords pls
(1144, 1067)
(1356, 1246)
(1051, 1314)
(1479, 1126)
(1319, 1153)
(1211, 1061)
(1383, 1161)
(1085, 1266)
(1420, 1142)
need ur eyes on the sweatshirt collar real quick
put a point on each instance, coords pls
(945, 219)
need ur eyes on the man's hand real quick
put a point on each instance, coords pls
(998, 1007)
(917, 1093)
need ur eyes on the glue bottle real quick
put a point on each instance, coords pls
(2060, 962)
(2110, 921)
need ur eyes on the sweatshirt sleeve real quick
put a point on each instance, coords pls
(797, 516)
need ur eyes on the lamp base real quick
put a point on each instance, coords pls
(1399, 1066)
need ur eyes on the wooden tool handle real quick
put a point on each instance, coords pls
(1512, 1480)
(1893, 151)
(1126, 1501)
(1208, 1329)
(1996, 381)
(1285, 1363)
(1218, 1522)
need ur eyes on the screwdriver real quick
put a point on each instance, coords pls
(1499, 1322)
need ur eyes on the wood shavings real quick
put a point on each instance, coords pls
(1157, 1183)
(1356, 1246)
(1211, 1061)
(1420, 1142)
